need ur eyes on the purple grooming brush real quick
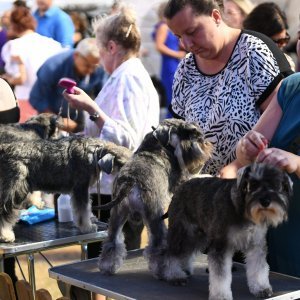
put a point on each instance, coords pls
(68, 84)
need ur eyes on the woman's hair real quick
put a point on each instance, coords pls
(266, 18)
(80, 21)
(200, 7)
(120, 28)
(160, 10)
(21, 19)
(246, 6)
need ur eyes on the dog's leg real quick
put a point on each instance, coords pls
(13, 192)
(182, 242)
(157, 233)
(6, 226)
(220, 276)
(113, 249)
(257, 268)
(81, 207)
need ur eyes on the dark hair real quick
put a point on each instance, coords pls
(201, 7)
(266, 18)
(19, 3)
(21, 19)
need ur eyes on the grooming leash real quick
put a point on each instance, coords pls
(98, 178)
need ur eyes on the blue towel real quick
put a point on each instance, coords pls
(34, 215)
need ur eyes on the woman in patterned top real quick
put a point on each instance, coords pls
(226, 80)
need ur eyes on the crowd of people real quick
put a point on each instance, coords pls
(223, 66)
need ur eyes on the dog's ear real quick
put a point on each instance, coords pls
(163, 134)
(242, 178)
(106, 163)
(287, 185)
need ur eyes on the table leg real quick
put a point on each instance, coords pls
(31, 274)
(1, 263)
(84, 254)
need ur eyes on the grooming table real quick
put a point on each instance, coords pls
(134, 281)
(44, 236)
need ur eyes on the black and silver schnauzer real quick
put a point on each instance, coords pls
(68, 165)
(143, 188)
(222, 216)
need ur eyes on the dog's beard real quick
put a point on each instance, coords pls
(272, 215)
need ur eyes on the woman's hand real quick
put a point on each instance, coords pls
(80, 100)
(249, 146)
(281, 159)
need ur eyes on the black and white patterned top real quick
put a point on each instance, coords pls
(226, 105)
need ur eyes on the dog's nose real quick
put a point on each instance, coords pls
(265, 202)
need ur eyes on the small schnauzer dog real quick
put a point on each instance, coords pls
(222, 216)
(68, 165)
(142, 189)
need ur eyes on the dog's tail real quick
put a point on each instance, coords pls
(122, 190)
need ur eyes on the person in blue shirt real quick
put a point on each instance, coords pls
(275, 139)
(53, 22)
(80, 64)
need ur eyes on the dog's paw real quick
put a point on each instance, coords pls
(265, 293)
(93, 228)
(89, 228)
(7, 236)
(106, 267)
(94, 219)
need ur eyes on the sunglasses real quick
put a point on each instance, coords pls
(282, 41)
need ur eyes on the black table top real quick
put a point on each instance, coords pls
(134, 281)
(48, 234)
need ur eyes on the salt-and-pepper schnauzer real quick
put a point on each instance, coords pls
(222, 216)
(68, 165)
(142, 189)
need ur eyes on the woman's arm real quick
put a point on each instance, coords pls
(160, 39)
(257, 139)
(230, 170)
(21, 77)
